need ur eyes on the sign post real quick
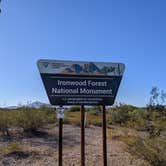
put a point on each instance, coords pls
(104, 130)
(60, 116)
(82, 135)
(81, 83)
(60, 140)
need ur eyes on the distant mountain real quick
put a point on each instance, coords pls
(10, 107)
(89, 68)
(35, 104)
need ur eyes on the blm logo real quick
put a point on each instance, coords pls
(45, 64)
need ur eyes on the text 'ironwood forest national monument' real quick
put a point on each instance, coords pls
(81, 83)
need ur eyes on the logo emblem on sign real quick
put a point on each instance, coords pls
(45, 64)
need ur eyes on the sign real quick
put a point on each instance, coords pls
(60, 113)
(80, 83)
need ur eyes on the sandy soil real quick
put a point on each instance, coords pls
(42, 150)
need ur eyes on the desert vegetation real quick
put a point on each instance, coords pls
(141, 130)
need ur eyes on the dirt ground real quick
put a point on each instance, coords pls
(42, 149)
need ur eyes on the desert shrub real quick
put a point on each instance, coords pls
(114, 134)
(139, 114)
(32, 119)
(74, 109)
(75, 118)
(5, 122)
(14, 150)
(150, 121)
(50, 114)
(126, 107)
(160, 124)
(157, 129)
(119, 115)
(152, 150)
(72, 118)
(140, 125)
(139, 119)
(95, 110)
(93, 119)
(154, 115)
(26, 118)
(12, 147)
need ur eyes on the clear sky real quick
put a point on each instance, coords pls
(128, 31)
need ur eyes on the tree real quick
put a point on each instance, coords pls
(154, 96)
(157, 99)
(163, 97)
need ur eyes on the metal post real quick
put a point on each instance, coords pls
(104, 130)
(82, 135)
(60, 140)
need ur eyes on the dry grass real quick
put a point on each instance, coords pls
(10, 148)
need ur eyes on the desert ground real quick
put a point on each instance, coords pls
(42, 148)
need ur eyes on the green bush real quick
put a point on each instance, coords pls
(95, 110)
(139, 119)
(151, 150)
(32, 119)
(5, 122)
(119, 115)
(139, 114)
(50, 114)
(26, 118)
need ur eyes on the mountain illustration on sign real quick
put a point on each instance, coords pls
(88, 68)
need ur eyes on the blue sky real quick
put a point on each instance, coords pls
(128, 31)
